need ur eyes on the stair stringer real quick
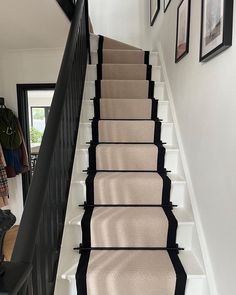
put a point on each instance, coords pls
(202, 251)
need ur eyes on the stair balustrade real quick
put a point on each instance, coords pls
(33, 267)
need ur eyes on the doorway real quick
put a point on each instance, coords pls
(34, 101)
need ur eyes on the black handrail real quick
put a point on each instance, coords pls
(35, 257)
(68, 6)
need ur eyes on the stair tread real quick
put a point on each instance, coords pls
(84, 147)
(68, 268)
(181, 215)
(173, 176)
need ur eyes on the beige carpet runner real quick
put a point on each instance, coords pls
(128, 228)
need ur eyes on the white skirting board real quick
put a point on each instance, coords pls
(204, 249)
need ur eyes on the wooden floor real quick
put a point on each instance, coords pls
(9, 242)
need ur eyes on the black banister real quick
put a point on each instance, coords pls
(36, 252)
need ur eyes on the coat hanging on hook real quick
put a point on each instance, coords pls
(12, 141)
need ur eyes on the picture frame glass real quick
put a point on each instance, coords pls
(182, 33)
(213, 25)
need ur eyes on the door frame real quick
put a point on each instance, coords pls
(23, 111)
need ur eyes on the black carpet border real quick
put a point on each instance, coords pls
(154, 109)
(161, 158)
(157, 130)
(166, 189)
(85, 227)
(100, 49)
(151, 89)
(92, 156)
(181, 276)
(149, 73)
(146, 57)
(98, 89)
(99, 71)
(89, 182)
(172, 230)
(81, 273)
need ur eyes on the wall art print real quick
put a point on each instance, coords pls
(216, 27)
(183, 29)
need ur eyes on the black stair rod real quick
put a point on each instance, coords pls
(81, 248)
(129, 205)
(138, 171)
(157, 119)
(95, 143)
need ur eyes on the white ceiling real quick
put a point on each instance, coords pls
(30, 24)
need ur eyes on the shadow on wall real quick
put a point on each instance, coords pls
(126, 21)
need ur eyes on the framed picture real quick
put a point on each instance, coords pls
(154, 10)
(216, 27)
(183, 28)
(166, 4)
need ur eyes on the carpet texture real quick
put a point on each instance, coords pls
(128, 228)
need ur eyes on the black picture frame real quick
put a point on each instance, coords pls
(226, 32)
(166, 4)
(154, 14)
(181, 50)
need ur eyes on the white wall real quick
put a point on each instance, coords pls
(25, 66)
(205, 102)
(127, 21)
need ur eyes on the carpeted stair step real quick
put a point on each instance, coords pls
(108, 43)
(124, 89)
(116, 108)
(130, 273)
(124, 72)
(129, 227)
(126, 131)
(117, 56)
(127, 188)
(130, 157)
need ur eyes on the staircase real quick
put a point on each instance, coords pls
(122, 149)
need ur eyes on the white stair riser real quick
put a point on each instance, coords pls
(91, 74)
(154, 58)
(88, 111)
(195, 286)
(72, 236)
(94, 42)
(81, 160)
(65, 287)
(159, 90)
(85, 133)
(78, 191)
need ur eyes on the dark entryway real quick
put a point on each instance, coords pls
(34, 101)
